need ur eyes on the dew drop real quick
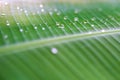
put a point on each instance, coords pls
(25, 11)
(54, 50)
(41, 6)
(43, 28)
(42, 10)
(102, 30)
(61, 26)
(93, 19)
(21, 9)
(5, 36)
(50, 13)
(89, 32)
(3, 14)
(57, 24)
(58, 13)
(6, 3)
(76, 11)
(76, 19)
(92, 25)
(65, 18)
(18, 7)
(35, 27)
(21, 30)
(85, 22)
(8, 24)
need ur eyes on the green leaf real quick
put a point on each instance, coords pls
(59, 40)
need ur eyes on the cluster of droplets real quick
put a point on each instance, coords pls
(61, 25)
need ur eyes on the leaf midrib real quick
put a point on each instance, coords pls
(37, 43)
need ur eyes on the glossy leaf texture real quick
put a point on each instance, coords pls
(59, 40)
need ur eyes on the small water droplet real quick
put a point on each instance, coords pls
(41, 6)
(6, 3)
(50, 13)
(18, 7)
(93, 19)
(21, 30)
(5, 36)
(57, 24)
(54, 50)
(65, 18)
(3, 14)
(92, 25)
(76, 19)
(58, 13)
(76, 11)
(8, 24)
(85, 22)
(21, 9)
(35, 27)
(55, 10)
(25, 11)
(18, 23)
(43, 28)
(61, 26)
(102, 30)
(42, 10)
(89, 32)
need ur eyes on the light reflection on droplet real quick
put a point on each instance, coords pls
(54, 50)
(41, 6)
(6, 3)
(42, 10)
(76, 19)
(92, 25)
(21, 30)
(43, 28)
(65, 18)
(35, 27)
(5, 36)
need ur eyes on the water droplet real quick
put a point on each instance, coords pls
(42, 10)
(35, 27)
(85, 22)
(6, 3)
(93, 19)
(8, 24)
(21, 30)
(25, 11)
(58, 13)
(57, 24)
(18, 7)
(76, 11)
(55, 10)
(43, 28)
(21, 9)
(41, 6)
(65, 18)
(3, 14)
(102, 30)
(5, 36)
(92, 25)
(76, 19)
(18, 23)
(61, 26)
(54, 50)
(89, 32)
(50, 13)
